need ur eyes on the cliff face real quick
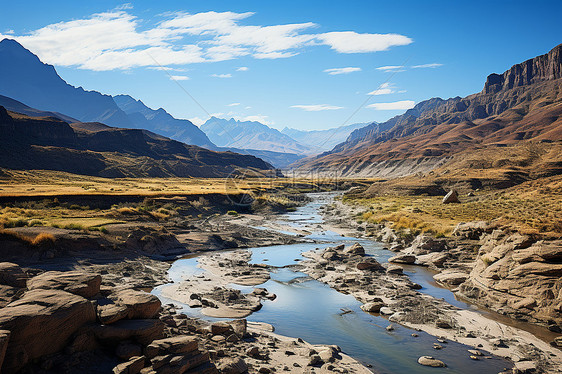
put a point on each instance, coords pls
(524, 103)
(538, 69)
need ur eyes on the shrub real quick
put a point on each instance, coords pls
(43, 238)
(18, 222)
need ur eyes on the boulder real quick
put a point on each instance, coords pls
(424, 244)
(403, 259)
(451, 278)
(232, 366)
(175, 345)
(355, 249)
(111, 312)
(394, 269)
(12, 275)
(372, 307)
(194, 363)
(41, 323)
(142, 331)
(451, 197)
(76, 282)
(436, 259)
(370, 264)
(240, 327)
(330, 255)
(430, 361)
(140, 305)
(471, 230)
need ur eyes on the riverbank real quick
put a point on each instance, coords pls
(429, 314)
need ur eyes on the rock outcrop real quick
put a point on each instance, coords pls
(518, 276)
(42, 322)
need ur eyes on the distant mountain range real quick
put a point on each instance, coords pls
(280, 148)
(26, 79)
(33, 88)
(323, 140)
(524, 103)
(96, 149)
(251, 134)
(162, 122)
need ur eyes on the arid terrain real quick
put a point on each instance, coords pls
(132, 241)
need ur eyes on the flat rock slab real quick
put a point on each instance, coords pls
(76, 282)
(143, 331)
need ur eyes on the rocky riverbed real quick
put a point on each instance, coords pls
(510, 273)
(84, 307)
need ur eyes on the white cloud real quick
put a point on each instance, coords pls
(336, 71)
(242, 68)
(432, 65)
(221, 75)
(233, 104)
(179, 78)
(352, 42)
(165, 68)
(248, 107)
(385, 89)
(118, 40)
(274, 55)
(391, 68)
(125, 6)
(316, 107)
(396, 105)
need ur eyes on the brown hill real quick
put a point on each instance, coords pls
(49, 143)
(522, 104)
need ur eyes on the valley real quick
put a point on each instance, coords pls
(238, 230)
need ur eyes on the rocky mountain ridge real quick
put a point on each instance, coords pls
(524, 104)
(28, 80)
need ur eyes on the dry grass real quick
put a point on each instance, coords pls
(532, 207)
(42, 239)
(55, 183)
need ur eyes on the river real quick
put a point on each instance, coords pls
(311, 310)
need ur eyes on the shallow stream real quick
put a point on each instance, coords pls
(313, 311)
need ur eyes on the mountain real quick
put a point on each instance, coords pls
(26, 79)
(323, 140)
(251, 134)
(97, 149)
(522, 104)
(162, 122)
(15, 106)
(279, 160)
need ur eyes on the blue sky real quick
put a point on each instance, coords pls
(302, 64)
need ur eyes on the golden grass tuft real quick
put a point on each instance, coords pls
(43, 238)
